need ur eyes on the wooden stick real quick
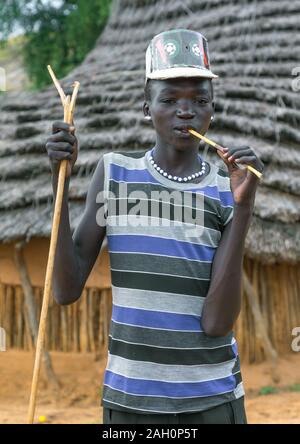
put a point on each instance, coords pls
(58, 87)
(73, 101)
(30, 307)
(220, 148)
(68, 113)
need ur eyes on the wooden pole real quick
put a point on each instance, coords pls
(68, 118)
(260, 326)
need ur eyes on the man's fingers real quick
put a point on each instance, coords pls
(249, 160)
(62, 126)
(60, 155)
(223, 158)
(229, 164)
(60, 146)
(233, 154)
(62, 136)
(234, 149)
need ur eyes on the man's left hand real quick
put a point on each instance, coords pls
(242, 181)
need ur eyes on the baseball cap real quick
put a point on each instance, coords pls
(178, 53)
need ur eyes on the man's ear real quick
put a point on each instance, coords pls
(213, 103)
(146, 109)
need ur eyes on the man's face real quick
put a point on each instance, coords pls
(180, 102)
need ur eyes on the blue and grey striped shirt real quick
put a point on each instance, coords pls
(160, 360)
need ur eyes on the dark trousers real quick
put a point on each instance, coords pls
(232, 412)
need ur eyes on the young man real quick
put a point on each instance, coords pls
(176, 226)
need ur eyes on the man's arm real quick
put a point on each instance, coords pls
(75, 256)
(223, 301)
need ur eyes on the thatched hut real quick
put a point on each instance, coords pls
(254, 48)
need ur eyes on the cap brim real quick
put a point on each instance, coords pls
(171, 73)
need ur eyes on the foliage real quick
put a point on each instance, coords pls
(294, 388)
(267, 390)
(58, 32)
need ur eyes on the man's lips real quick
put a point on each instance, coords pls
(182, 130)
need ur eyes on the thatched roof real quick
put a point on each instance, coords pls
(253, 45)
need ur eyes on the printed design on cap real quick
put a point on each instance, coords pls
(171, 48)
(195, 48)
(197, 51)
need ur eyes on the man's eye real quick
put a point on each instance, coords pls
(201, 100)
(169, 100)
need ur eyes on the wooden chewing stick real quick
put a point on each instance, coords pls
(69, 105)
(220, 148)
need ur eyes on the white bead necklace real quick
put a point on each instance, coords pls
(177, 178)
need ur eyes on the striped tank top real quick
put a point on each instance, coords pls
(162, 236)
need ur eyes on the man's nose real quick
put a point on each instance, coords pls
(185, 110)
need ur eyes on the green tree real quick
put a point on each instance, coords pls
(60, 33)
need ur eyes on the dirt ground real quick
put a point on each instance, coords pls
(80, 376)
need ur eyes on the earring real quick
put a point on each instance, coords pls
(212, 118)
(148, 117)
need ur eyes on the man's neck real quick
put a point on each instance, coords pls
(179, 162)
